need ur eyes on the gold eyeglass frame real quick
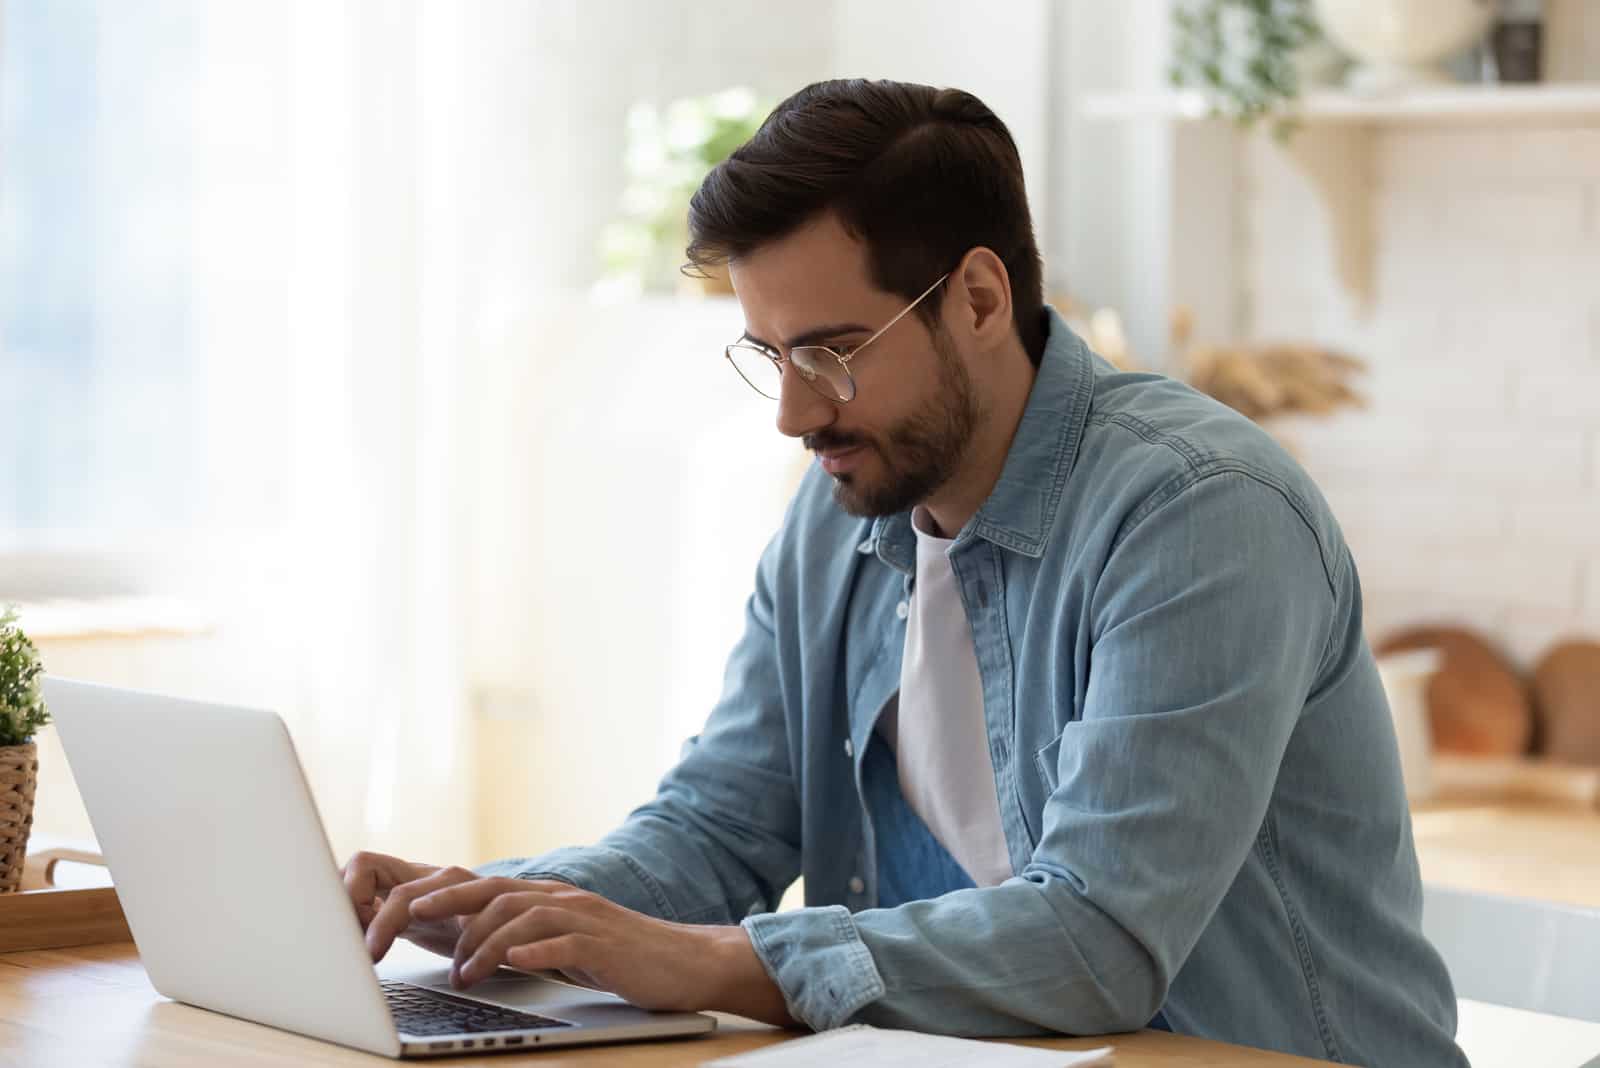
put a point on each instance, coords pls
(809, 375)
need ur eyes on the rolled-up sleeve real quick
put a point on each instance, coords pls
(817, 958)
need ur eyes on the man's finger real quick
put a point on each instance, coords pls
(371, 875)
(498, 913)
(572, 955)
(395, 914)
(535, 924)
(490, 902)
(361, 878)
(468, 898)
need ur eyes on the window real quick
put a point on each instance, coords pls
(97, 344)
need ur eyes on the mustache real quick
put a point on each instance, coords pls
(823, 441)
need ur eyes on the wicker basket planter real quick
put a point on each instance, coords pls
(19, 776)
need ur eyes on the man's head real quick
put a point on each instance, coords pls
(852, 199)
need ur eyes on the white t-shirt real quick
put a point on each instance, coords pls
(937, 729)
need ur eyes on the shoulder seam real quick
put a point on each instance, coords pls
(1182, 482)
(1151, 434)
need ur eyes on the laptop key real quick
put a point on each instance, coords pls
(420, 1011)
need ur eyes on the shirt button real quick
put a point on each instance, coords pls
(902, 609)
(849, 749)
(856, 885)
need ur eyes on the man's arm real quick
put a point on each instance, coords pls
(1211, 620)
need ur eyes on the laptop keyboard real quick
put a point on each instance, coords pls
(419, 1011)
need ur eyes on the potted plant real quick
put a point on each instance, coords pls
(669, 152)
(1249, 56)
(22, 713)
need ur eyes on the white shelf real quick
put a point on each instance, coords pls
(1576, 101)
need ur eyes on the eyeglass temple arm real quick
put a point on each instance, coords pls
(904, 312)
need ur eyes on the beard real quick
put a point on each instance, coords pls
(921, 452)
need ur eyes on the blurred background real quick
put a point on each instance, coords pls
(346, 370)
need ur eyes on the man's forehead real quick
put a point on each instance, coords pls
(815, 277)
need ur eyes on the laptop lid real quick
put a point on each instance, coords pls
(189, 800)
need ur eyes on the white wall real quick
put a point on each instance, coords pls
(1470, 489)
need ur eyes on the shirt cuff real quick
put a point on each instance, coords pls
(818, 960)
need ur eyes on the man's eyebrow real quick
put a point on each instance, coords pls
(812, 336)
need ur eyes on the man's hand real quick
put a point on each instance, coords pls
(536, 926)
(381, 888)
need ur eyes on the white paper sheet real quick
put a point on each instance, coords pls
(883, 1048)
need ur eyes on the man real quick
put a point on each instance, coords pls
(1053, 685)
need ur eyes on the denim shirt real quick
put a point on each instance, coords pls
(1197, 774)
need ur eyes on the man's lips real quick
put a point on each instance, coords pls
(838, 461)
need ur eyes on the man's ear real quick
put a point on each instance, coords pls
(983, 308)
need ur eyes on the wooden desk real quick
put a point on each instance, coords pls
(1550, 852)
(93, 1005)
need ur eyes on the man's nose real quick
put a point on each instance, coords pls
(801, 409)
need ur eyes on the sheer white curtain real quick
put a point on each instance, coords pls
(373, 307)
(240, 355)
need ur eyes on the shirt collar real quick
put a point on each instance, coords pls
(1020, 511)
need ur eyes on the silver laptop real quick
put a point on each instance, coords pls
(237, 905)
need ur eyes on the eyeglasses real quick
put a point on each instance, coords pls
(826, 370)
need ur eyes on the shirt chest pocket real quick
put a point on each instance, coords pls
(1045, 761)
(1036, 781)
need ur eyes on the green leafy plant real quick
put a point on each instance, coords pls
(669, 152)
(1242, 54)
(22, 710)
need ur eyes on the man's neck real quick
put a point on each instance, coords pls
(958, 500)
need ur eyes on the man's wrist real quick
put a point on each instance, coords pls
(739, 982)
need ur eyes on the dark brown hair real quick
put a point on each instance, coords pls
(920, 175)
